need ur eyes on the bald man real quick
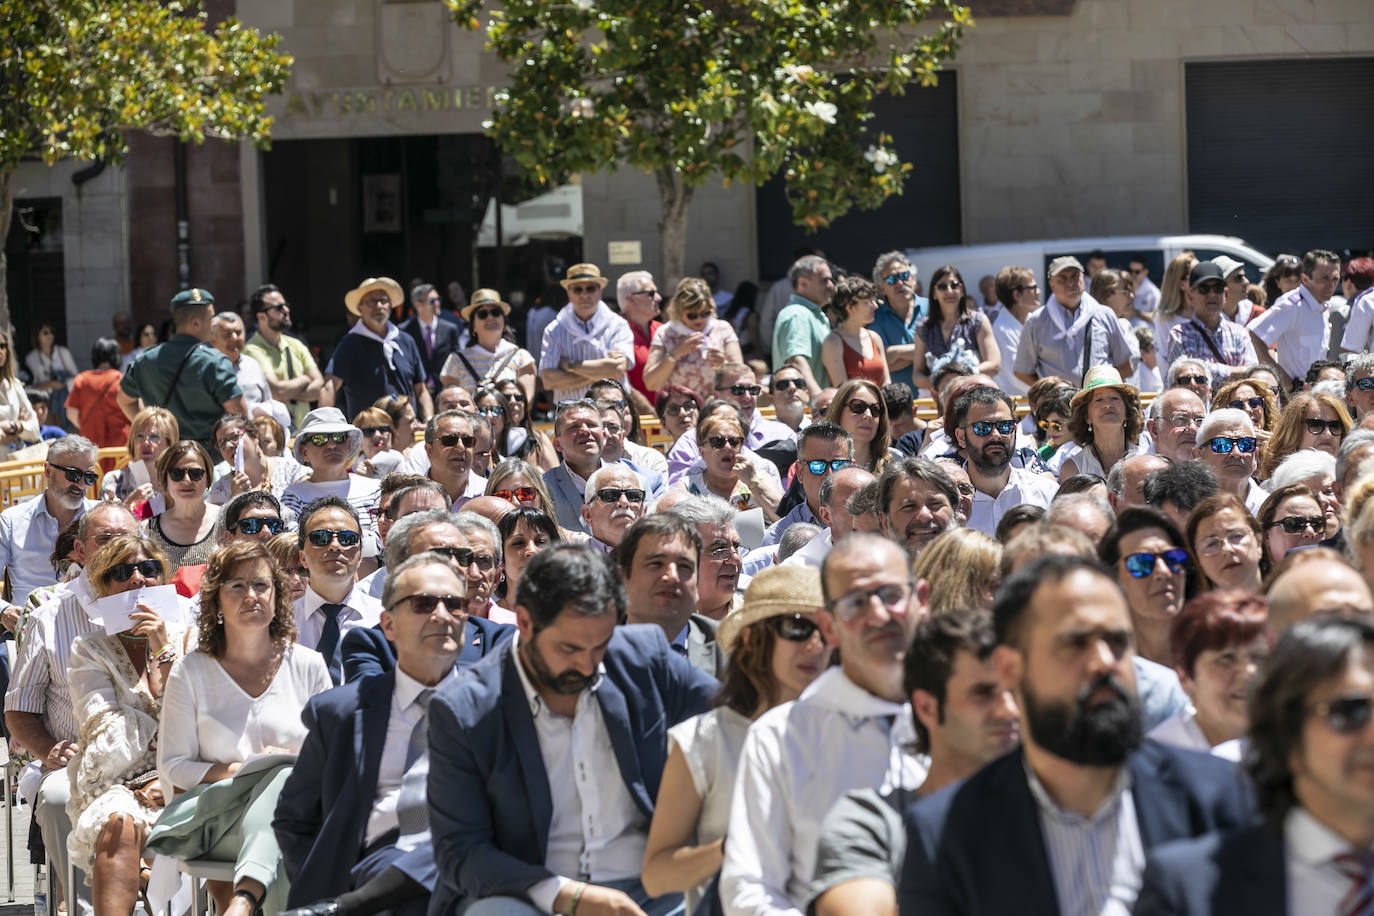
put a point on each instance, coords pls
(491, 508)
(1322, 583)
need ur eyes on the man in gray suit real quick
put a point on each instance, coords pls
(658, 555)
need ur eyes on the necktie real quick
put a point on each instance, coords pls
(1359, 868)
(328, 646)
(411, 805)
(429, 341)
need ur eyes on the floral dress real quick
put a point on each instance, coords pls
(693, 371)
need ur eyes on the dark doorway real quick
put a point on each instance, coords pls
(36, 283)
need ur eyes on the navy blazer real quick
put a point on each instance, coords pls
(977, 847)
(489, 800)
(445, 342)
(1239, 872)
(366, 650)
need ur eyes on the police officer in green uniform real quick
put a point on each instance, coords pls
(197, 384)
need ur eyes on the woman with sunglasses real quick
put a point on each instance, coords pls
(1316, 471)
(491, 354)
(775, 651)
(524, 532)
(858, 407)
(1311, 420)
(953, 318)
(1227, 542)
(406, 428)
(151, 432)
(491, 405)
(237, 440)
(1291, 518)
(185, 530)
(378, 458)
(328, 444)
(678, 409)
(520, 483)
(852, 350)
(1052, 416)
(536, 447)
(239, 694)
(117, 682)
(693, 344)
(146, 339)
(1106, 422)
(725, 469)
(1219, 642)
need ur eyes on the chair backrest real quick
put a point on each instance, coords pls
(18, 482)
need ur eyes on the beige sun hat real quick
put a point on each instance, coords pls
(483, 297)
(386, 284)
(1099, 377)
(579, 272)
(775, 592)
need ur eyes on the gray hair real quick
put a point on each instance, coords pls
(1362, 362)
(1064, 505)
(1301, 465)
(864, 500)
(1183, 362)
(625, 285)
(804, 266)
(73, 445)
(1116, 479)
(83, 524)
(1223, 416)
(705, 510)
(601, 473)
(797, 536)
(468, 522)
(428, 558)
(432, 427)
(885, 261)
(222, 319)
(1354, 440)
(1330, 386)
(479, 423)
(420, 292)
(398, 537)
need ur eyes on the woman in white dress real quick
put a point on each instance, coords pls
(18, 422)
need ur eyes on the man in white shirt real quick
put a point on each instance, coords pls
(1020, 295)
(1146, 293)
(227, 336)
(834, 512)
(986, 430)
(850, 729)
(587, 341)
(330, 540)
(1297, 322)
(450, 442)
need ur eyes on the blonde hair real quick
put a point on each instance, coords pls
(154, 416)
(1358, 518)
(961, 566)
(1170, 296)
(1287, 432)
(691, 293)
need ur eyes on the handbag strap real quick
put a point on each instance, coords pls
(172, 389)
(1208, 340)
(1087, 350)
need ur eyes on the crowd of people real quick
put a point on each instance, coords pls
(1113, 653)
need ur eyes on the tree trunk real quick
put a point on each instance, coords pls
(674, 196)
(6, 213)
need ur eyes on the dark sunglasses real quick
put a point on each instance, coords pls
(645, 292)
(695, 316)
(492, 410)
(254, 525)
(484, 314)
(123, 572)
(900, 276)
(719, 442)
(673, 410)
(1248, 402)
(741, 390)
(793, 628)
(1334, 427)
(985, 427)
(1140, 565)
(76, 475)
(1222, 445)
(466, 556)
(427, 604)
(1211, 286)
(1192, 380)
(449, 440)
(580, 289)
(180, 474)
(859, 408)
(519, 494)
(321, 537)
(1366, 383)
(1053, 426)
(1292, 524)
(782, 384)
(945, 286)
(1346, 715)
(370, 431)
(817, 467)
(613, 494)
(319, 439)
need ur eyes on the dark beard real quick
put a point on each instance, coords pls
(1101, 735)
(569, 683)
(989, 468)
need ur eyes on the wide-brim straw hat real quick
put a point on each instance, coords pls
(386, 284)
(777, 591)
(1100, 377)
(327, 420)
(579, 273)
(483, 297)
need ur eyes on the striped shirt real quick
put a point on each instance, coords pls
(569, 337)
(1097, 861)
(39, 681)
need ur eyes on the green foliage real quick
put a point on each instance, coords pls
(75, 75)
(692, 88)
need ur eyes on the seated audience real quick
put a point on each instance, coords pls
(1179, 489)
(1106, 422)
(1226, 540)
(151, 432)
(1146, 554)
(961, 568)
(1227, 444)
(524, 532)
(328, 444)
(329, 536)
(615, 497)
(185, 530)
(858, 408)
(916, 501)
(726, 472)
(1291, 518)
(677, 408)
(236, 436)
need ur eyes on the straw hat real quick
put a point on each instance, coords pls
(579, 272)
(483, 297)
(386, 284)
(327, 420)
(775, 592)
(1099, 377)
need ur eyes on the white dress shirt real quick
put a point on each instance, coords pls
(360, 610)
(1181, 730)
(1006, 330)
(28, 533)
(405, 715)
(798, 759)
(1022, 487)
(597, 832)
(1297, 324)
(1316, 884)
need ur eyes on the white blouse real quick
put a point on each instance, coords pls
(711, 744)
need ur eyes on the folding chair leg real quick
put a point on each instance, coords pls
(9, 831)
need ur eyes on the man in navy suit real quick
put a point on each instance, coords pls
(1063, 824)
(353, 837)
(546, 756)
(435, 339)
(580, 438)
(1311, 747)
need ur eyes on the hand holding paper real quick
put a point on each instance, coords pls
(120, 612)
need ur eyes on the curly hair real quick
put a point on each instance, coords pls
(1227, 393)
(1135, 417)
(850, 290)
(210, 621)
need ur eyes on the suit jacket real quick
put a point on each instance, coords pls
(977, 847)
(568, 497)
(702, 649)
(1239, 872)
(489, 799)
(367, 651)
(445, 342)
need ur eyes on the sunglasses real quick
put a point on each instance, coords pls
(719, 442)
(466, 556)
(1334, 427)
(579, 289)
(1222, 445)
(1140, 565)
(782, 384)
(517, 495)
(645, 292)
(793, 628)
(370, 431)
(900, 277)
(318, 439)
(483, 314)
(1137, 271)
(1292, 524)
(618, 403)
(76, 475)
(741, 390)
(1366, 383)
(1248, 402)
(515, 395)
(985, 427)
(1211, 286)
(946, 285)
(695, 316)
(1053, 426)
(673, 410)
(427, 604)
(449, 440)
(1346, 715)
(1192, 380)
(613, 494)
(818, 466)
(254, 525)
(321, 537)
(492, 410)
(859, 408)
(123, 572)
(180, 474)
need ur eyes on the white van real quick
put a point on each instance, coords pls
(977, 261)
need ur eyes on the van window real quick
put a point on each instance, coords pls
(1121, 260)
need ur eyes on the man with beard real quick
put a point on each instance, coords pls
(615, 497)
(916, 501)
(985, 428)
(1174, 430)
(29, 530)
(545, 759)
(1063, 824)
(291, 372)
(658, 556)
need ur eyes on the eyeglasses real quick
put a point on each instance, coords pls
(482, 314)
(1185, 419)
(1346, 715)
(945, 286)
(1192, 380)
(719, 442)
(1366, 383)
(1211, 286)
(1212, 546)
(854, 605)
(1137, 271)
(741, 390)
(180, 474)
(492, 410)
(613, 494)
(370, 431)
(580, 289)
(153, 438)
(818, 466)
(321, 537)
(1022, 289)
(321, 439)
(517, 495)
(782, 384)
(449, 440)
(673, 410)
(618, 403)
(283, 307)
(859, 408)
(985, 427)
(1248, 402)
(1222, 445)
(695, 316)
(1055, 426)
(1292, 524)
(793, 627)
(965, 489)
(76, 475)
(466, 557)
(1334, 427)
(900, 276)
(1140, 565)
(434, 300)
(721, 552)
(425, 605)
(239, 588)
(123, 572)
(252, 526)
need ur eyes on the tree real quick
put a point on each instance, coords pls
(688, 89)
(77, 75)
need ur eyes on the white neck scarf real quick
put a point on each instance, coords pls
(1070, 327)
(389, 345)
